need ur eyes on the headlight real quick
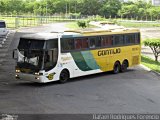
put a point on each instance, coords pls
(37, 78)
(36, 73)
(17, 76)
(18, 71)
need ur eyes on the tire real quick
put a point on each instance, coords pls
(124, 66)
(64, 76)
(116, 68)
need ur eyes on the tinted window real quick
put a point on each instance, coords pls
(51, 44)
(130, 39)
(78, 43)
(85, 43)
(107, 41)
(137, 38)
(92, 42)
(50, 59)
(30, 44)
(67, 44)
(118, 40)
(98, 42)
(2, 25)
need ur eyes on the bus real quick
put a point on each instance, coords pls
(46, 57)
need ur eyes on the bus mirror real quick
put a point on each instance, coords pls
(15, 54)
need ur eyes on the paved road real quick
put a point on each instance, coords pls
(136, 91)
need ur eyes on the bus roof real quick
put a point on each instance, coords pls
(79, 33)
(100, 31)
(52, 35)
(40, 36)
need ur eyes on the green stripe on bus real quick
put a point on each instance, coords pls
(89, 59)
(80, 62)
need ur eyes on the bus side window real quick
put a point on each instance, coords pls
(137, 38)
(85, 43)
(130, 39)
(110, 41)
(51, 57)
(98, 42)
(67, 44)
(118, 40)
(104, 40)
(107, 41)
(92, 42)
(78, 43)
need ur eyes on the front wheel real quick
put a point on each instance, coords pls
(64, 76)
(116, 68)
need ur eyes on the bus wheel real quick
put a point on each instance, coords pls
(116, 68)
(64, 76)
(124, 66)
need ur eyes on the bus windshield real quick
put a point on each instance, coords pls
(35, 55)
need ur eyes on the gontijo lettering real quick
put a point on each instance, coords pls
(109, 52)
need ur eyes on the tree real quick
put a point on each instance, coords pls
(154, 44)
(110, 8)
(128, 10)
(82, 24)
(90, 7)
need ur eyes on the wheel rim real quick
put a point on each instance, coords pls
(117, 68)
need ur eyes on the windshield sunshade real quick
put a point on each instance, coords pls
(31, 44)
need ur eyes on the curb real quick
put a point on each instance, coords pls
(149, 70)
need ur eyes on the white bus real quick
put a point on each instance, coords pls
(46, 57)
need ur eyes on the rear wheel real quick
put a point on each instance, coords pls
(124, 66)
(116, 68)
(64, 76)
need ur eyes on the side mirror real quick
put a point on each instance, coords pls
(15, 54)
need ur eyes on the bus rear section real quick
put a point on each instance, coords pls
(96, 52)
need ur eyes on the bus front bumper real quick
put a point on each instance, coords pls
(30, 77)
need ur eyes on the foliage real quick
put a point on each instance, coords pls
(74, 25)
(110, 8)
(75, 8)
(82, 23)
(96, 18)
(138, 24)
(74, 15)
(154, 44)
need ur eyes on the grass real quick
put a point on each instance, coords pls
(138, 25)
(13, 22)
(150, 63)
(74, 25)
(34, 21)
